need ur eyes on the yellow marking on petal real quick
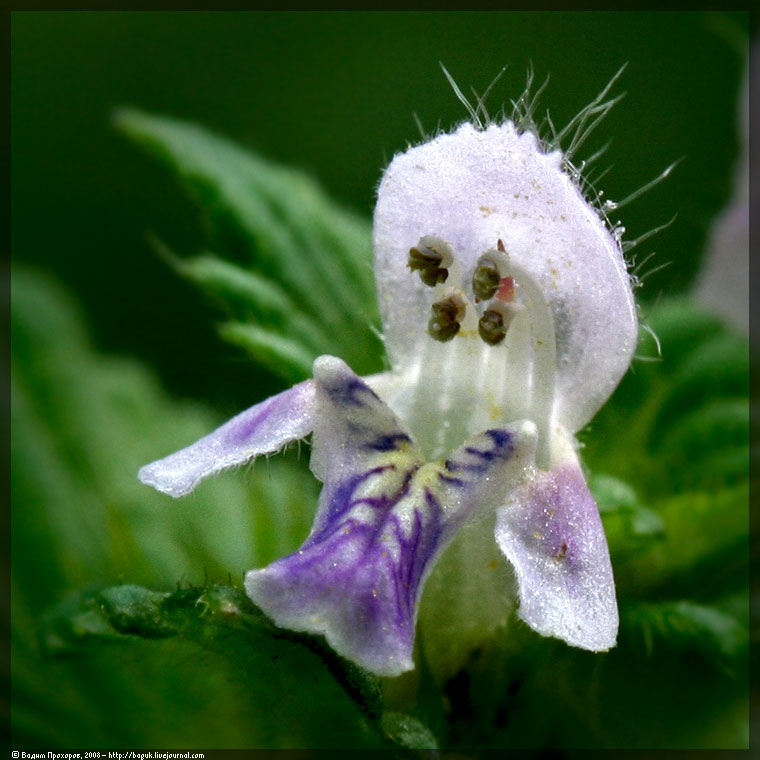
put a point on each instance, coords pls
(427, 475)
(538, 535)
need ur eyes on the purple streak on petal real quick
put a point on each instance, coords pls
(262, 429)
(359, 579)
(343, 499)
(388, 442)
(551, 532)
(451, 481)
(349, 392)
(499, 446)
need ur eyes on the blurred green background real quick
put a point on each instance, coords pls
(334, 94)
(128, 366)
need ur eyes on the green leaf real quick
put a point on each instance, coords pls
(718, 368)
(271, 223)
(242, 291)
(709, 446)
(679, 326)
(281, 355)
(611, 493)
(313, 698)
(615, 497)
(82, 425)
(703, 548)
(718, 636)
(271, 329)
(407, 731)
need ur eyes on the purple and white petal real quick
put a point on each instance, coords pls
(262, 429)
(551, 532)
(358, 583)
(357, 576)
(384, 517)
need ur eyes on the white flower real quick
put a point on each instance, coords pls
(508, 319)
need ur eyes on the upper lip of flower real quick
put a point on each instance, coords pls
(491, 403)
(473, 188)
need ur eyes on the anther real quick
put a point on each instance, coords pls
(485, 280)
(445, 319)
(492, 327)
(430, 257)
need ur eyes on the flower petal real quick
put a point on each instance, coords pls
(354, 429)
(384, 516)
(473, 188)
(262, 429)
(551, 532)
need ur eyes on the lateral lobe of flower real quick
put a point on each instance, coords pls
(383, 518)
(551, 532)
(262, 429)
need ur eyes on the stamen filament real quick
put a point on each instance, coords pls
(542, 347)
(539, 314)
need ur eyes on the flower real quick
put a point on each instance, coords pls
(508, 318)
